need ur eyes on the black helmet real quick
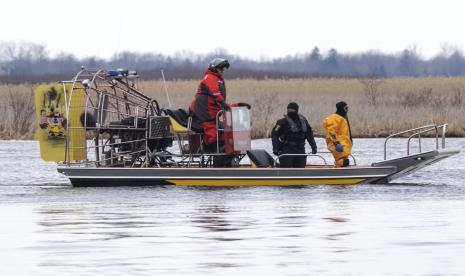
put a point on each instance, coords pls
(218, 63)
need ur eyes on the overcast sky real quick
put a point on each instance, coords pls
(250, 28)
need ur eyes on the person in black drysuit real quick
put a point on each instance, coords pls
(289, 135)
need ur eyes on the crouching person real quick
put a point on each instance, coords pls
(338, 135)
(289, 135)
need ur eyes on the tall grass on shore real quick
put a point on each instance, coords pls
(378, 107)
(17, 111)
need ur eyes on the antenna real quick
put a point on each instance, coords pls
(166, 89)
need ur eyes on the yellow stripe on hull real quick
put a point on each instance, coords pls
(265, 182)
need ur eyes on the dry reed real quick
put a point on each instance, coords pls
(17, 111)
(397, 103)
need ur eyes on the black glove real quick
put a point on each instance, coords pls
(225, 106)
(277, 152)
(244, 104)
(314, 150)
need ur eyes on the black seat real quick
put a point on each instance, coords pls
(126, 125)
(182, 117)
(261, 158)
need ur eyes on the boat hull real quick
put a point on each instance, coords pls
(84, 176)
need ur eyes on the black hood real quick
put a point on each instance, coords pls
(293, 115)
(341, 112)
(340, 109)
(294, 106)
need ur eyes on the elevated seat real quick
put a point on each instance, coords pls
(261, 158)
(179, 120)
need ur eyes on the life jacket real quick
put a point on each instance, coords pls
(297, 135)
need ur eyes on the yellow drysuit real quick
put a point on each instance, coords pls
(337, 130)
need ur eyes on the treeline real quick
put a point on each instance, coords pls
(30, 62)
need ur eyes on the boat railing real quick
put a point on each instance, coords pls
(219, 129)
(319, 156)
(417, 133)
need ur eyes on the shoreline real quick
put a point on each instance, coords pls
(378, 107)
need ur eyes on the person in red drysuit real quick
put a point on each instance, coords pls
(211, 99)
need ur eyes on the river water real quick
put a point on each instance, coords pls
(412, 227)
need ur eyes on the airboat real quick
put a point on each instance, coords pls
(115, 135)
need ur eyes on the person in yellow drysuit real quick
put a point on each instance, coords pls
(338, 135)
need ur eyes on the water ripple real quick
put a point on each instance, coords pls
(411, 227)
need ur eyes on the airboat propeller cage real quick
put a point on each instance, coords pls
(118, 121)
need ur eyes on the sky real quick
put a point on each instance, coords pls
(250, 28)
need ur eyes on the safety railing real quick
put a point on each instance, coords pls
(219, 129)
(276, 162)
(417, 133)
(191, 156)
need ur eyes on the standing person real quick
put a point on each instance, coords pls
(209, 100)
(338, 135)
(289, 135)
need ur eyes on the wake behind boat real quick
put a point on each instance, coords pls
(115, 135)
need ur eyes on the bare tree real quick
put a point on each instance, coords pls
(370, 87)
(30, 62)
(22, 110)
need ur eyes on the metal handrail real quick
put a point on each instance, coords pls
(417, 132)
(419, 138)
(217, 120)
(276, 162)
(310, 154)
